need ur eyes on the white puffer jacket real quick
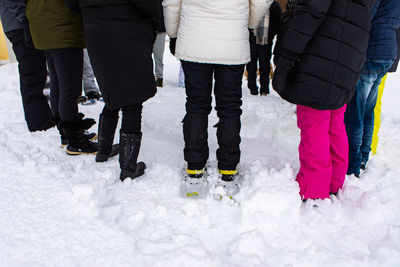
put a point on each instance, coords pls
(213, 31)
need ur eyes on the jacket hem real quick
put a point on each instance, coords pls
(220, 62)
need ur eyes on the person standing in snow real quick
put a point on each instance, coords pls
(159, 44)
(120, 36)
(261, 40)
(212, 41)
(59, 33)
(382, 51)
(32, 65)
(319, 63)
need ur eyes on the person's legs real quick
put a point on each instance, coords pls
(89, 83)
(228, 95)
(198, 81)
(68, 65)
(369, 115)
(251, 67)
(339, 148)
(354, 121)
(377, 116)
(265, 54)
(356, 118)
(158, 52)
(33, 72)
(315, 172)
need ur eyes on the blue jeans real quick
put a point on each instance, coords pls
(359, 116)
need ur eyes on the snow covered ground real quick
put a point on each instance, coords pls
(58, 210)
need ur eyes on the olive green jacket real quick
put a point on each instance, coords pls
(53, 26)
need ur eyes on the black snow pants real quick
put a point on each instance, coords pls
(228, 94)
(261, 54)
(66, 70)
(32, 75)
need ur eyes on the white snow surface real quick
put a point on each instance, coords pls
(59, 210)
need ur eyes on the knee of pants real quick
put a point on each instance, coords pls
(198, 105)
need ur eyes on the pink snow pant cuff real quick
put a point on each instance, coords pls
(323, 151)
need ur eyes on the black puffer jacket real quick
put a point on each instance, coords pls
(323, 52)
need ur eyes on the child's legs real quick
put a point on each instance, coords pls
(315, 172)
(339, 148)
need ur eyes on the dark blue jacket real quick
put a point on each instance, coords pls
(396, 62)
(382, 41)
(12, 14)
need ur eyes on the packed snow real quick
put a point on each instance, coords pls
(59, 210)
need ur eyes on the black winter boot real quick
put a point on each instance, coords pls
(84, 124)
(107, 125)
(129, 146)
(159, 82)
(78, 143)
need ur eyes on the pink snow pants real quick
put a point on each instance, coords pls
(323, 151)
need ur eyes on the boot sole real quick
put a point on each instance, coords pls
(75, 153)
(137, 173)
(94, 138)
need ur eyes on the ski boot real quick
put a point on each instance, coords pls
(228, 184)
(194, 184)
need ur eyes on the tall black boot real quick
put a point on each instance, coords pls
(129, 146)
(107, 126)
(78, 143)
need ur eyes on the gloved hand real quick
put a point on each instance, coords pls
(281, 74)
(172, 45)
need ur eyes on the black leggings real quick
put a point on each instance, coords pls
(131, 117)
(66, 69)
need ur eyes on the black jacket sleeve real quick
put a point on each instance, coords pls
(308, 16)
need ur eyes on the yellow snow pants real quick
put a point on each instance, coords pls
(377, 115)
